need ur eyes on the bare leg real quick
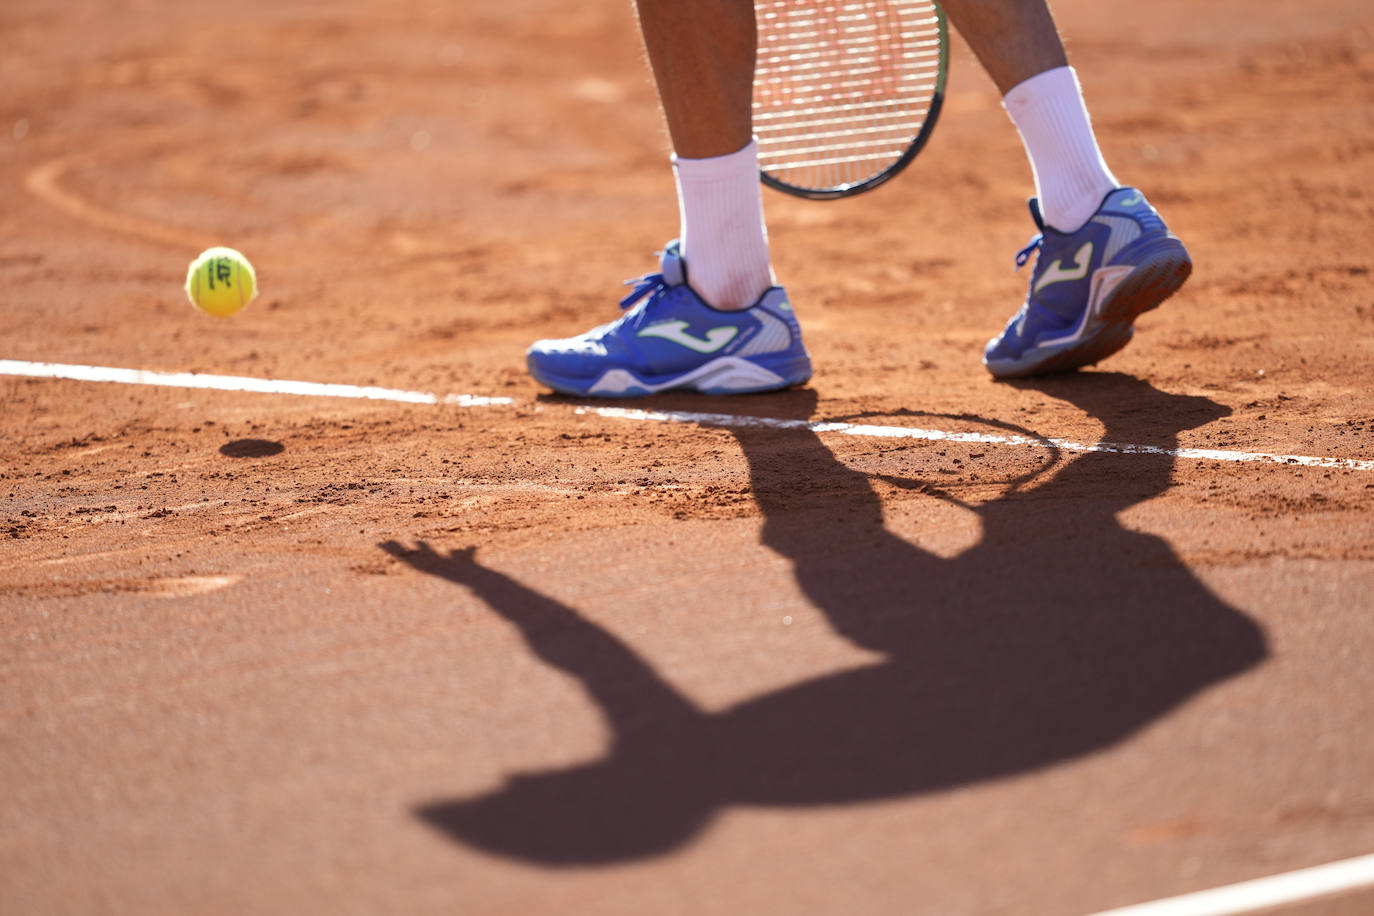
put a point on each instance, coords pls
(1019, 47)
(1013, 39)
(702, 53)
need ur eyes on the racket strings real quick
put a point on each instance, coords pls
(843, 87)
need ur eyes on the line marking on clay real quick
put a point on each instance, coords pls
(201, 380)
(236, 383)
(937, 435)
(1261, 893)
(45, 182)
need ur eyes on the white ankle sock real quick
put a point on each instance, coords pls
(724, 241)
(1071, 177)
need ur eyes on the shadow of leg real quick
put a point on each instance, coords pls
(1060, 633)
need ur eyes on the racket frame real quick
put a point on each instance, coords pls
(916, 145)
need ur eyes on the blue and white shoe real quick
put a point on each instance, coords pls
(671, 339)
(1088, 287)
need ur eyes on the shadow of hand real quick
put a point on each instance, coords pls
(426, 560)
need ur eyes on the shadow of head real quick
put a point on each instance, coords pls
(614, 810)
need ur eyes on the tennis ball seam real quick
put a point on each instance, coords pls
(218, 301)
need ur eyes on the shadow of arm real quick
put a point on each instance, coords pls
(628, 690)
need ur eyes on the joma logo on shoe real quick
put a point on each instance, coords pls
(1056, 273)
(676, 331)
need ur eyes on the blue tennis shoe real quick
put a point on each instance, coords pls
(1088, 287)
(670, 339)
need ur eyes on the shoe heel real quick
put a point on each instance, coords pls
(1164, 269)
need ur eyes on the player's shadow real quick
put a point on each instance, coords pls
(1060, 633)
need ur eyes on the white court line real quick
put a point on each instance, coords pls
(1262, 893)
(317, 389)
(235, 383)
(909, 432)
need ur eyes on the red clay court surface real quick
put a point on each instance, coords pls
(250, 663)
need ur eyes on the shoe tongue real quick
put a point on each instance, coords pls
(1034, 204)
(671, 265)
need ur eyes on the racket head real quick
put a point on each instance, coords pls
(846, 92)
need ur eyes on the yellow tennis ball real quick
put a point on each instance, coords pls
(220, 282)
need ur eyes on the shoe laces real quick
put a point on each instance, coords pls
(1018, 321)
(652, 285)
(1024, 254)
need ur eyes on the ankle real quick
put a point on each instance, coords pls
(1071, 177)
(723, 235)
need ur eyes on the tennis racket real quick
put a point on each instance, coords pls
(846, 92)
